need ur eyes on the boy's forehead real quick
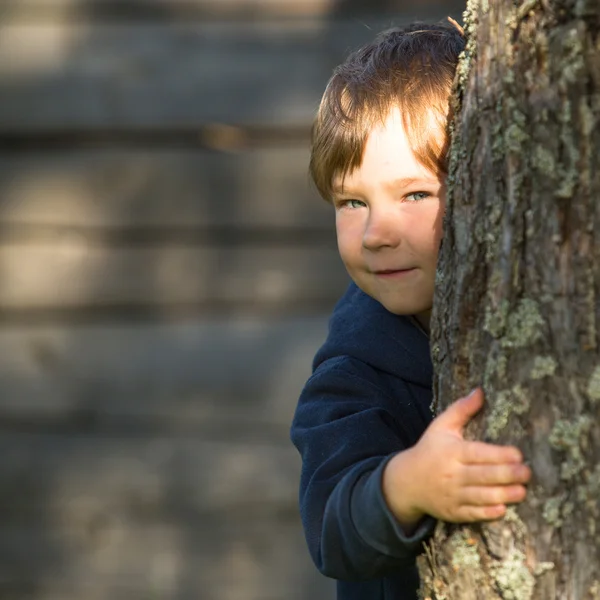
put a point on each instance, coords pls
(390, 154)
(372, 126)
(388, 159)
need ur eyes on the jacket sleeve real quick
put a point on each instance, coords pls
(346, 429)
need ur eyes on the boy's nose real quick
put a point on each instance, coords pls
(382, 230)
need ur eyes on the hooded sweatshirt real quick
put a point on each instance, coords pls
(368, 398)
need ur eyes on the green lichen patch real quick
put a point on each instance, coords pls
(491, 249)
(463, 68)
(588, 117)
(568, 509)
(495, 366)
(543, 366)
(569, 437)
(518, 526)
(572, 61)
(509, 77)
(515, 135)
(470, 19)
(564, 115)
(464, 552)
(508, 402)
(513, 578)
(552, 511)
(495, 320)
(524, 325)
(494, 216)
(470, 16)
(543, 161)
(593, 388)
(498, 149)
(593, 483)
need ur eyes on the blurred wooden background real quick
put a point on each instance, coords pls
(166, 272)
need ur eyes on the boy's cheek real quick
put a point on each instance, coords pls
(349, 241)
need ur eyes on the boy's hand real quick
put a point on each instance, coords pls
(451, 478)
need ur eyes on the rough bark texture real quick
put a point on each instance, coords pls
(516, 305)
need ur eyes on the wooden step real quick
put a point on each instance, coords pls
(227, 378)
(165, 10)
(111, 552)
(76, 274)
(162, 190)
(90, 77)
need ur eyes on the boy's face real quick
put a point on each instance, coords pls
(389, 222)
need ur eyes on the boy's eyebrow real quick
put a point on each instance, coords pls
(402, 182)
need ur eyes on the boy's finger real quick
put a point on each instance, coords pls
(493, 495)
(458, 414)
(472, 513)
(481, 453)
(502, 474)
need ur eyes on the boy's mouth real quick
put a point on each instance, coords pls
(393, 272)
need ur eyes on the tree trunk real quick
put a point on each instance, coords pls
(516, 306)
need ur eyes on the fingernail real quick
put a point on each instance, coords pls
(472, 392)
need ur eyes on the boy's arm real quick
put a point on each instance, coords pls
(347, 429)
(365, 496)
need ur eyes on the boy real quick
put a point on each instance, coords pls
(378, 470)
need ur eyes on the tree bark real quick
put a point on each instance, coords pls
(516, 306)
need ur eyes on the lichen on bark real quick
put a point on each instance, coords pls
(515, 304)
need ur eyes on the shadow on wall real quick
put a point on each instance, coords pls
(162, 293)
(153, 459)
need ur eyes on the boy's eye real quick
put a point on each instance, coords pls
(416, 196)
(351, 203)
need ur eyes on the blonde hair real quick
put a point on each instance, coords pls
(411, 68)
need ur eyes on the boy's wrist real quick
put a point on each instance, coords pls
(398, 490)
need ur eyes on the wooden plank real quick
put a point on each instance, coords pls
(141, 474)
(127, 517)
(209, 136)
(183, 74)
(233, 378)
(124, 512)
(180, 511)
(238, 557)
(164, 10)
(144, 9)
(72, 273)
(162, 189)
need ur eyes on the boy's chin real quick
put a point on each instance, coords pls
(401, 311)
(401, 307)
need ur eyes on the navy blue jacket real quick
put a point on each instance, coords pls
(368, 398)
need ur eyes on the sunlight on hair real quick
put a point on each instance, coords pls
(412, 69)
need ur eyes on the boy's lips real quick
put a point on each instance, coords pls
(393, 272)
